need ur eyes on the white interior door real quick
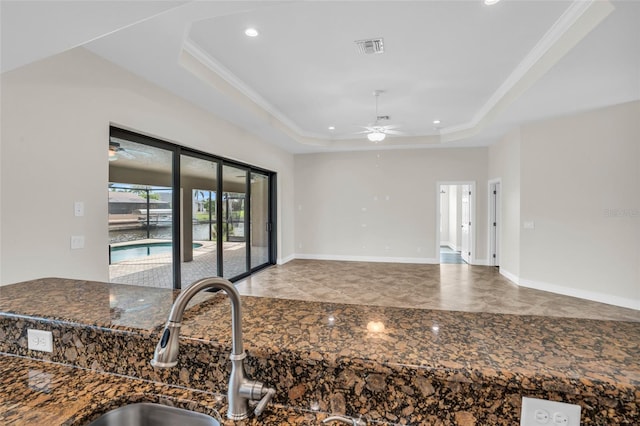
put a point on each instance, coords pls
(465, 206)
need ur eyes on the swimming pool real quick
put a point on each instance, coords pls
(137, 251)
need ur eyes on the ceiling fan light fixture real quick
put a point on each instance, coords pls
(376, 136)
(251, 32)
(113, 152)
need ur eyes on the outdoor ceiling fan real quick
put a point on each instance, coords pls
(116, 151)
(376, 133)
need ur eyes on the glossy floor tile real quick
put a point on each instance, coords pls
(454, 287)
(157, 270)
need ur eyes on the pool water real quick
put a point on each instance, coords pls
(137, 251)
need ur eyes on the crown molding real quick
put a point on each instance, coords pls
(207, 60)
(574, 24)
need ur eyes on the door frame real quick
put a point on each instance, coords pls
(494, 215)
(472, 215)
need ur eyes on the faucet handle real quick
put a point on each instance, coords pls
(254, 390)
(266, 398)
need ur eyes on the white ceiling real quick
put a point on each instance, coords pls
(479, 69)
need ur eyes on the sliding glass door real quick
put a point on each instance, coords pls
(177, 215)
(140, 214)
(234, 202)
(260, 224)
(199, 188)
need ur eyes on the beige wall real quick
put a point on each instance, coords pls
(504, 164)
(55, 127)
(380, 205)
(581, 189)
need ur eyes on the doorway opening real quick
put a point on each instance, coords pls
(455, 232)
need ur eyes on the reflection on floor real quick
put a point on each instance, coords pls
(448, 255)
(458, 287)
(157, 270)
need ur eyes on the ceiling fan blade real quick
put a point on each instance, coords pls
(369, 128)
(138, 153)
(391, 126)
(393, 132)
(124, 154)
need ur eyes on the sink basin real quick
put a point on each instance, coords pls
(147, 414)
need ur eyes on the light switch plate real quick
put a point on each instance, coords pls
(78, 208)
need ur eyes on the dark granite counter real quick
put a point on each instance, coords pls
(42, 393)
(401, 366)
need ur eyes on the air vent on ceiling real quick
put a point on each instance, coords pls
(370, 46)
(382, 117)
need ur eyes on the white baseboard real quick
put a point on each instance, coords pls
(481, 262)
(419, 260)
(594, 296)
(287, 259)
(508, 275)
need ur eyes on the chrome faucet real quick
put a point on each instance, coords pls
(241, 390)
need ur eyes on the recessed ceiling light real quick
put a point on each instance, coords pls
(490, 2)
(251, 32)
(332, 127)
(436, 121)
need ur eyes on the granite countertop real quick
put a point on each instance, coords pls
(529, 352)
(39, 393)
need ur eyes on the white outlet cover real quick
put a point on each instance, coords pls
(77, 241)
(536, 412)
(39, 340)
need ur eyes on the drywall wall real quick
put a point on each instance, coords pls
(380, 205)
(55, 130)
(504, 164)
(580, 196)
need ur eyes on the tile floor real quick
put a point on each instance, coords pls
(454, 287)
(448, 255)
(157, 270)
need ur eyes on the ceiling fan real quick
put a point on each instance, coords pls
(376, 132)
(116, 151)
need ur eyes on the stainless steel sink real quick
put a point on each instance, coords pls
(147, 414)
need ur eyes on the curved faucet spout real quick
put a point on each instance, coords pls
(241, 390)
(180, 304)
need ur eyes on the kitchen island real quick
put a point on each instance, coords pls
(388, 365)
